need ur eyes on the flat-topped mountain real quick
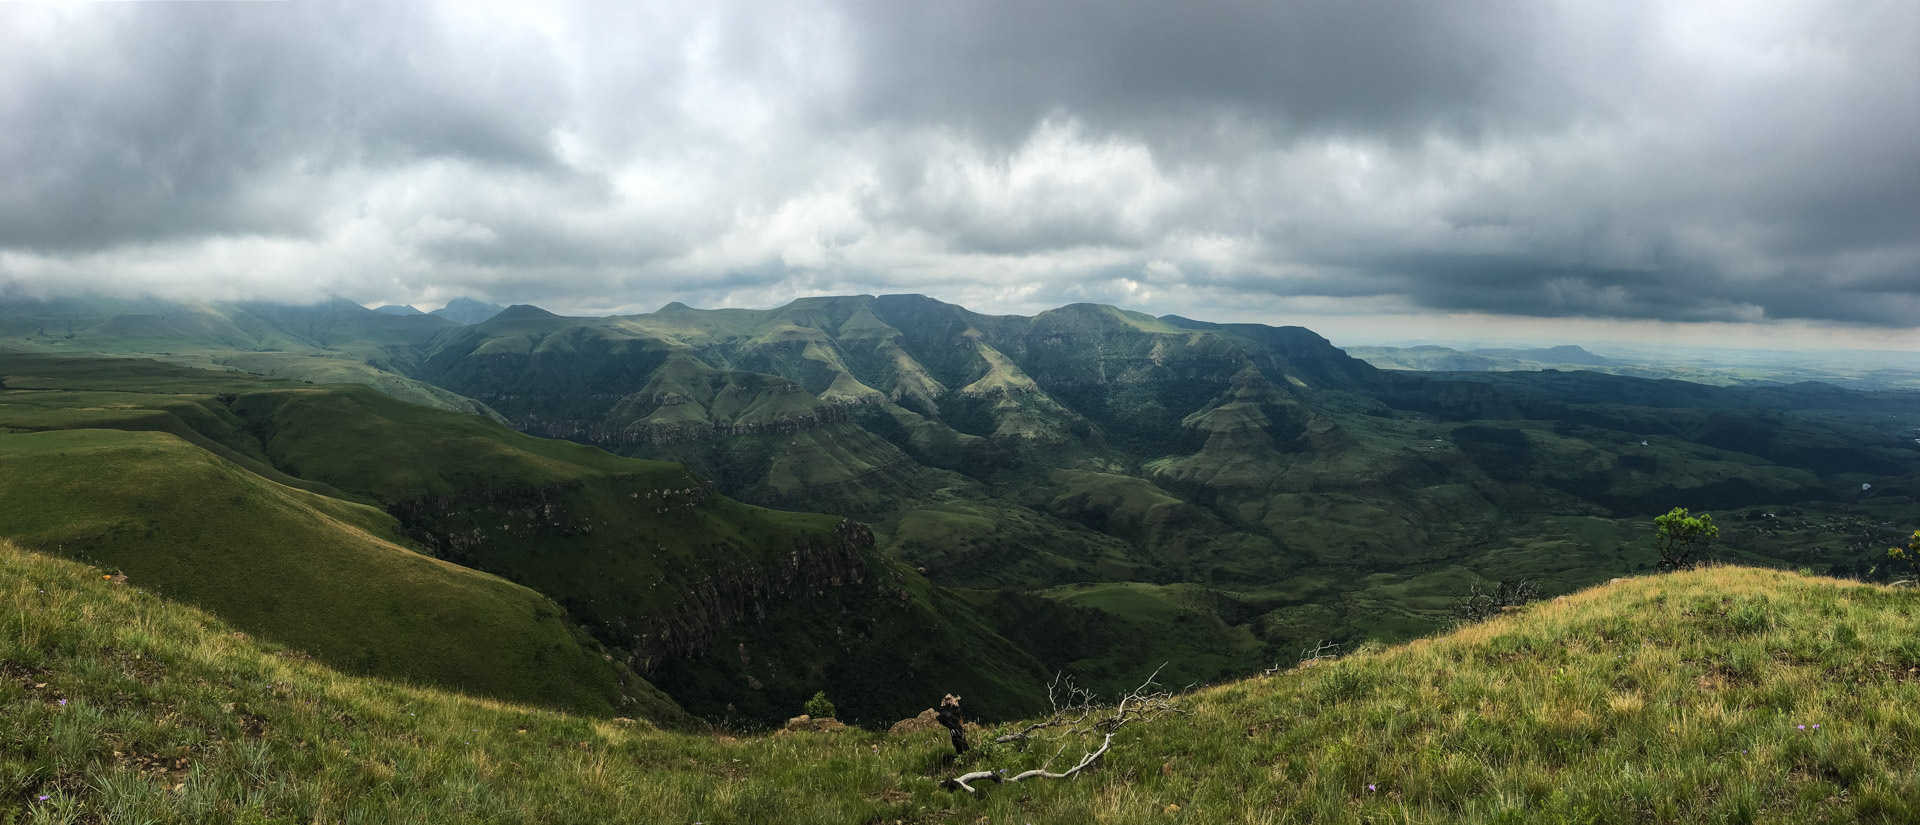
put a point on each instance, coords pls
(1446, 359)
(1562, 354)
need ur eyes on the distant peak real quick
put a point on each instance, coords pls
(676, 306)
(465, 310)
(398, 309)
(523, 312)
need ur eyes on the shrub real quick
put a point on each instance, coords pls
(818, 707)
(1678, 535)
(1909, 554)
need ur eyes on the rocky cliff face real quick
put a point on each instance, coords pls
(741, 592)
(667, 591)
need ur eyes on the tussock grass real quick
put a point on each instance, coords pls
(1720, 695)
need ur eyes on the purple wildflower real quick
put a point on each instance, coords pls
(1803, 727)
(43, 797)
(63, 703)
(1369, 787)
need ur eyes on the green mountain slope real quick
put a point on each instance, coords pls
(1311, 495)
(158, 484)
(741, 612)
(1714, 696)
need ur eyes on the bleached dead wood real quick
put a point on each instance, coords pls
(1074, 720)
(1071, 705)
(1311, 656)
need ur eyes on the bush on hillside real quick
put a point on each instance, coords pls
(1678, 535)
(818, 707)
(1909, 554)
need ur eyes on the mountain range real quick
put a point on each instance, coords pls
(1089, 489)
(458, 310)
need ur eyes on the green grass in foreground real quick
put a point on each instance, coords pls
(1723, 695)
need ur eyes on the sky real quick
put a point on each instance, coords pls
(1732, 173)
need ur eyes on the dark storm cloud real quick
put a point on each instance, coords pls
(1372, 66)
(1635, 160)
(146, 122)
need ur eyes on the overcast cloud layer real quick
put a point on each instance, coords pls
(1277, 161)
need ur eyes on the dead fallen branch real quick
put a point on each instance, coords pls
(1071, 705)
(1076, 719)
(1311, 656)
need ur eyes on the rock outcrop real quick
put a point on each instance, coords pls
(741, 591)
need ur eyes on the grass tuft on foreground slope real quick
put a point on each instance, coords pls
(1721, 695)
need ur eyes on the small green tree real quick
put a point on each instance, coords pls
(1911, 555)
(818, 707)
(1678, 535)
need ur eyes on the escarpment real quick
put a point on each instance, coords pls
(741, 592)
(648, 570)
(454, 525)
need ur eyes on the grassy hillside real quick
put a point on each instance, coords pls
(1722, 695)
(740, 612)
(144, 469)
(166, 487)
(296, 512)
(307, 571)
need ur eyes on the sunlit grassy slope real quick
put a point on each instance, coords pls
(1723, 695)
(143, 470)
(302, 569)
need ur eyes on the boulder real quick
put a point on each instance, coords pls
(803, 722)
(927, 720)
